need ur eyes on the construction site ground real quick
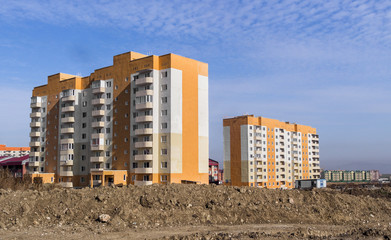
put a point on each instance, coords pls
(178, 211)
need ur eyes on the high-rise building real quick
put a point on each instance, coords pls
(142, 120)
(13, 151)
(268, 153)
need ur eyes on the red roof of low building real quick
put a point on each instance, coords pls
(213, 162)
(15, 161)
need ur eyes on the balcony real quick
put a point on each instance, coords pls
(35, 134)
(97, 113)
(100, 124)
(97, 135)
(145, 157)
(35, 115)
(98, 101)
(147, 105)
(259, 180)
(35, 144)
(67, 130)
(97, 159)
(66, 184)
(68, 109)
(98, 90)
(144, 119)
(36, 105)
(142, 183)
(144, 81)
(144, 93)
(97, 147)
(68, 120)
(67, 173)
(143, 170)
(96, 182)
(95, 169)
(143, 144)
(67, 140)
(315, 150)
(34, 154)
(66, 152)
(68, 98)
(35, 124)
(34, 164)
(143, 131)
(66, 163)
(258, 152)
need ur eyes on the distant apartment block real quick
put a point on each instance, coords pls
(142, 120)
(13, 151)
(268, 153)
(215, 173)
(351, 176)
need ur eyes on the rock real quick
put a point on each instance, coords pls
(104, 218)
(290, 200)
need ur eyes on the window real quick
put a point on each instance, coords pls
(164, 151)
(108, 130)
(125, 140)
(84, 114)
(135, 165)
(108, 118)
(108, 84)
(164, 125)
(164, 139)
(83, 146)
(126, 103)
(164, 164)
(108, 95)
(107, 165)
(164, 112)
(83, 168)
(84, 136)
(85, 104)
(82, 179)
(163, 178)
(164, 74)
(126, 79)
(83, 157)
(107, 153)
(84, 125)
(108, 107)
(164, 99)
(164, 87)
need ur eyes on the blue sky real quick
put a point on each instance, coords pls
(326, 64)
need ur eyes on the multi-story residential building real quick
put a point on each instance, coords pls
(351, 176)
(268, 153)
(142, 120)
(13, 151)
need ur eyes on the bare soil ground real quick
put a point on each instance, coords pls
(194, 212)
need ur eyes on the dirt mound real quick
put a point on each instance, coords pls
(161, 206)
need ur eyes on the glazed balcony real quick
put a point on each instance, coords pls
(97, 113)
(66, 184)
(145, 157)
(97, 135)
(141, 119)
(35, 115)
(68, 109)
(143, 170)
(144, 81)
(144, 93)
(68, 98)
(34, 154)
(98, 101)
(143, 131)
(66, 152)
(35, 144)
(66, 173)
(147, 144)
(96, 169)
(99, 159)
(34, 164)
(147, 105)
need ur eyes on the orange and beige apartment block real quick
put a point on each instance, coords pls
(13, 151)
(142, 120)
(268, 153)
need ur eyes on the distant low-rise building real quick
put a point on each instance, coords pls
(351, 176)
(213, 171)
(18, 166)
(13, 151)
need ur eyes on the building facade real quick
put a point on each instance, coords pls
(213, 171)
(142, 120)
(268, 153)
(13, 151)
(351, 176)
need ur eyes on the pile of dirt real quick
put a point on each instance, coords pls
(112, 209)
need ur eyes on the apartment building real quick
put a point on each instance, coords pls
(13, 151)
(268, 153)
(142, 120)
(351, 175)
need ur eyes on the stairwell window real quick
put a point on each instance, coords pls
(164, 125)
(164, 151)
(164, 99)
